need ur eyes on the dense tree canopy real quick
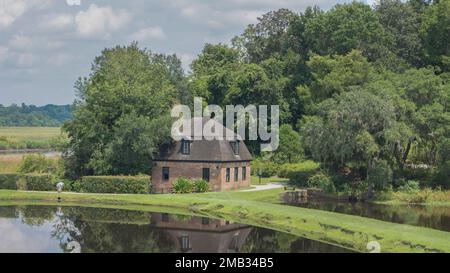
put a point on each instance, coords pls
(122, 113)
(358, 87)
(31, 115)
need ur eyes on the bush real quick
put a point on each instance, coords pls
(409, 186)
(8, 181)
(300, 173)
(183, 185)
(37, 163)
(441, 177)
(39, 182)
(201, 186)
(417, 174)
(380, 176)
(321, 181)
(115, 184)
(266, 168)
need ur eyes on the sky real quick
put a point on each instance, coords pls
(45, 45)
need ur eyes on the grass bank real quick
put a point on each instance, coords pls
(258, 209)
(427, 197)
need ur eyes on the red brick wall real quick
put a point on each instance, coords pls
(194, 170)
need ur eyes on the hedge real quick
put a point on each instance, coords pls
(9, 181)
(39, 182)
(30, 182)
(116, 184)
(299, 173)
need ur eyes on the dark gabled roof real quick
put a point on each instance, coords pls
(206, 150)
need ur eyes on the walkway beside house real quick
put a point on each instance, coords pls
(268, 186)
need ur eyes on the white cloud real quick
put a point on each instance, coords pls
(58, 22)
(100, 20)
(149, 33)
(10, 10)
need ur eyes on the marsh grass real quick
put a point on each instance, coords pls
(17, 138)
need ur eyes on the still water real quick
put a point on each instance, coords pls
(77, 229)
(426, 216)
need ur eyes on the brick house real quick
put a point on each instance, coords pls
(225, 164)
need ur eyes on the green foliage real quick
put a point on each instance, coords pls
(8, 181)
(346, 27)
(264, 168)
(299, 173)
(434, 32)
(31, 115)
(115, 184)
(39, 182)
(37, 163)
(183, 185)
(200, 185)
(290, 149)
(121, 117)
(322, 181)
(410, 186)
(442, 175)
(380, 176)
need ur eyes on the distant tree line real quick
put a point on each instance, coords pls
(30, 115)
(359, 87)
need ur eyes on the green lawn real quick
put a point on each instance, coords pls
(266, 180)
(258, 209)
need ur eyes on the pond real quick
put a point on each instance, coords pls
(48, 229)
(426, 216)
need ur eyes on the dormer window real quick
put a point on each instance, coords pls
(185, 147)
(235, 147)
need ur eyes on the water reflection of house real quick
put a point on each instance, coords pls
(202, 235)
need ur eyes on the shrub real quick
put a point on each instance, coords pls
(39, 182)
(37, 163)
(201, 186)
(322, 181)
(380, 175)
(183, 185)
(8, 181)
(299, 173)
(115, 184)
(442, 176)
(418, 174)
(4, 144)
(264, 168)
(409, 186)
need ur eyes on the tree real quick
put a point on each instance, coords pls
(353, 128)
(435, 31)
(269, 37)
(344, 28)
(290, 149)
(337, 74)
(120, 105)
(402, 23)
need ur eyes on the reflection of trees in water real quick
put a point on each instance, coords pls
(265, 240)
(268, 241)
(96, 231)
(36, 215)
(427, 216)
